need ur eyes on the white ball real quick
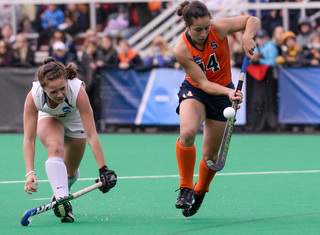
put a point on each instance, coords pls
(229, 112)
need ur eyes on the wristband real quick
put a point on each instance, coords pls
(30, 172)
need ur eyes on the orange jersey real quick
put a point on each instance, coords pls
(214, 60)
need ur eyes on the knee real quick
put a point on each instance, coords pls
(54, 149)
(187, 137)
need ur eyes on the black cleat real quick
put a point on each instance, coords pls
(185, 198)
(195, 206)
(63, 211)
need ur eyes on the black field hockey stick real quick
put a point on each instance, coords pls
(40, 209)
(218, 166)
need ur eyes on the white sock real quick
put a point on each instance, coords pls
(58, 177)
(71, 181)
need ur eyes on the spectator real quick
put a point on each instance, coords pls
(29, 12)
(88, 62)
(75, 20)
(109, 54)
(262, 86)
(292, 52)
(60, 53)
(143, 13)
(276, 37)
(129, 58)
(117, 21)
(155, 7)
(84, 8)
(89, 72)
(102, 12)
(139, 16)
(263, 13)
(50, 20)
(36, 24)
(22, 55)
(266, 51)
(160, 54)
(312, 56)
(7, 34)
(224, 7)
(70, 48)
(26, 26)
(272, 19)
(5, 54)
(6, 14)
(91, 36)
(305, 31)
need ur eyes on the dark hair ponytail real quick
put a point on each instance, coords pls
(52, 69)
(192, 10)
(182, 8)
(71, 71)
(48, 60)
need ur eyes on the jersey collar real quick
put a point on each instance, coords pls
(192, 43)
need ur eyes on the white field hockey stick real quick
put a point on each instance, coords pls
(230, 125)
(40, 209)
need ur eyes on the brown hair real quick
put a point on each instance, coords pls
(192, 10)
(52, 69)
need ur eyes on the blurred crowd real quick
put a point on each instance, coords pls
(107, 46)
(59, 25)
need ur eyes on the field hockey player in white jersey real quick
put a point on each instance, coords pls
(57, 109)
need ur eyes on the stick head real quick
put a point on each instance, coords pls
(25, 222)
(25, 217)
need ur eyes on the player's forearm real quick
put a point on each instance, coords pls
(252, 27)
(99, 156)
(213, 88)
(197, 75)
(97, 151)
(28, 153)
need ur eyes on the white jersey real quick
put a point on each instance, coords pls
(66, 112)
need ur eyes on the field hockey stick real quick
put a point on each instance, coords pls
(230, 125)
(40, 209)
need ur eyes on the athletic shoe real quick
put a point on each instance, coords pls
(63, 211)
(185, 198)
(195, 206)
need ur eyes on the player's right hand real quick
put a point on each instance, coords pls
(31, 184)
(235, 95)
(108, 178)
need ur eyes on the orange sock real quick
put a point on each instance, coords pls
(186, 158)
(205, 177)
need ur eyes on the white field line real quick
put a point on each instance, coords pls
(177, 176)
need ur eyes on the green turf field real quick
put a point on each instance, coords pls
(270, 185)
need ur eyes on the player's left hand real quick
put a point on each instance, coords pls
(31, 184)
(248, 46)
(108, 178)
